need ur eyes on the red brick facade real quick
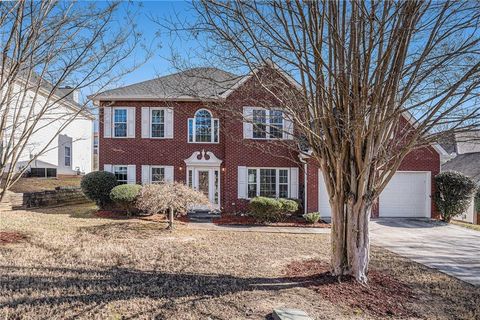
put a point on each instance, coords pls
(232, 149)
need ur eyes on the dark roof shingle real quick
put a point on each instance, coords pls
(467, 163)
(193, 83)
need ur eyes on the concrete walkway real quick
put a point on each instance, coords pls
(451, 249)
(241, 228)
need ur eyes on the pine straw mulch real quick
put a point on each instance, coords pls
(247, 220)
(383, 296)
(11, 237)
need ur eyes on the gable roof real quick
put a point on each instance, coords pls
(467, 163)
(191, 84)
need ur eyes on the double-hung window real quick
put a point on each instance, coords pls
(121, 173)
(157, 174)
(120, 123)
(157, 123)
(68, 156)
(267, 124)
(268, 182)
(203, 128)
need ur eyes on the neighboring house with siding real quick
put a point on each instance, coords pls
(465, 152)
(155, 131)
(70, 151)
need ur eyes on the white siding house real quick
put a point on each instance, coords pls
(69, 150)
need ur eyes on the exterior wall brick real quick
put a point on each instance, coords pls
(232, 149)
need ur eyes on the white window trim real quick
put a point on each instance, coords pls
(267, 124)
(113, 123)
(277, 180)
(65, 156)
(194, 129)
(151, 174)
(151, 123)
(114, 167)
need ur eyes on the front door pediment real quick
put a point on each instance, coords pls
(204, 159)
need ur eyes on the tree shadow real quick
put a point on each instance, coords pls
(409, 223)
(97, 287)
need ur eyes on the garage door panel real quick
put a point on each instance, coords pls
(406, 195)
(323, 199)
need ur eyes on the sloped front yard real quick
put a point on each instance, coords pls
(72, 264)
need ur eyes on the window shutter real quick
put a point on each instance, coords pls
(131, 122)
(168, 123)
(242, 182)
(169, 173)
(288, 127)
(146, 174)
(145, 122)
(247, 122)
(294, 183)
(107, 122)
(131, 174)
(108, 168)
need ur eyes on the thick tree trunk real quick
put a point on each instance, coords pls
(350, 239)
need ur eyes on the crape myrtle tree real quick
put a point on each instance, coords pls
(49, 50)
(361, 68)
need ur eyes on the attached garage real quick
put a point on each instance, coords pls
(323, 202)
(406, 195)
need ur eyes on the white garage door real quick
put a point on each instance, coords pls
(323, 203)
(406, 195)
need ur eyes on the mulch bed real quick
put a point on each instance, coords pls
(382, 296)
(11, 237)
(247, 220)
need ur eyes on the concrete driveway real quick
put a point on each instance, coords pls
(451, 249)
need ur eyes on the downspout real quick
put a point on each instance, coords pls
(305, 188)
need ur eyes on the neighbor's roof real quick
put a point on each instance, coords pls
(192, 84)
(64, 95)
(467, 163)
(448, 143)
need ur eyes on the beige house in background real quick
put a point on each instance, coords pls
(464, 150)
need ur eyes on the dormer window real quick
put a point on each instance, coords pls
(203, 128)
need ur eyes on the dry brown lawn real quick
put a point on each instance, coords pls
(73, 264)
(41, 184)
(466, 225)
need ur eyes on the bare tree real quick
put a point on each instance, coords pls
(49, 51)
(376, 80)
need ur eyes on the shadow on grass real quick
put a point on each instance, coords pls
(83, 288)
(85, 210)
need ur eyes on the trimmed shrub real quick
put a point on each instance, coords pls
(312, 217)
(97, 186)
(171, 198)
(125, 195)
(289, 205)
(266, 209)
(454, 192)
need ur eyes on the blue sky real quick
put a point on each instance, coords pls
(161, 45)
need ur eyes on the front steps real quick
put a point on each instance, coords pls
(11, 201)
(202, 216)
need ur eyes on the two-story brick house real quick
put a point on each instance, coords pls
(168, 129)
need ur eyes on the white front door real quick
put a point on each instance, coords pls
(207, 181)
